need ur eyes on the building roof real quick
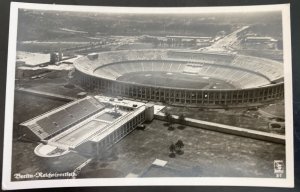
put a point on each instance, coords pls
(32, 58)
(188, 37)
(260, 38)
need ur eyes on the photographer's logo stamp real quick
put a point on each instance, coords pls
(278, 168)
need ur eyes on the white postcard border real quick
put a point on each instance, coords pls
(193, 181)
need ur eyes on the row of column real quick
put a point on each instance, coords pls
(184, 96)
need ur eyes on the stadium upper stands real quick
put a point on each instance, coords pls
(62, 118)
(240, 70)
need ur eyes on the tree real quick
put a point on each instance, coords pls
(172, 149)
(178, 147)
(179, 144)
(181, 120)
(171, 128)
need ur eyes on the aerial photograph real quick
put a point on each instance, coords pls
(141, 95)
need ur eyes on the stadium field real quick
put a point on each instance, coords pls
(175, 80)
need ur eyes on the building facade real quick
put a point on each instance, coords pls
(216, 98)
(256, 80)
(87, 126)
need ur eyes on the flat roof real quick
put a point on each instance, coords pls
(209, 52)
(188, 37)
(117, 123)
(33, 58)
(260, 38)
(119, 101)
(48, 67)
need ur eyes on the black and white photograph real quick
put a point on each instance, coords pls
(115, 96)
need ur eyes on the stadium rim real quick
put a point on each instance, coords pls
(249, 96)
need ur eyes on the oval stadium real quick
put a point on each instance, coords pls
(183, 77)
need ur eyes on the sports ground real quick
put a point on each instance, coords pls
(175, 80)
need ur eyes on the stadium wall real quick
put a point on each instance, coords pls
(183, 97)
(244, 132)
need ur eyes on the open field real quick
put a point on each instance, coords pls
(47, 47)
(27, 106)
(206, 154)
(54, 82)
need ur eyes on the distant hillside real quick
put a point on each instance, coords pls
(56, 25)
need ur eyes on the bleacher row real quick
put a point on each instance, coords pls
(66, 117)
(119, 56)
(209, 58)
(269, 68)
(133, 55)
(116, 70)
(239, 78)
